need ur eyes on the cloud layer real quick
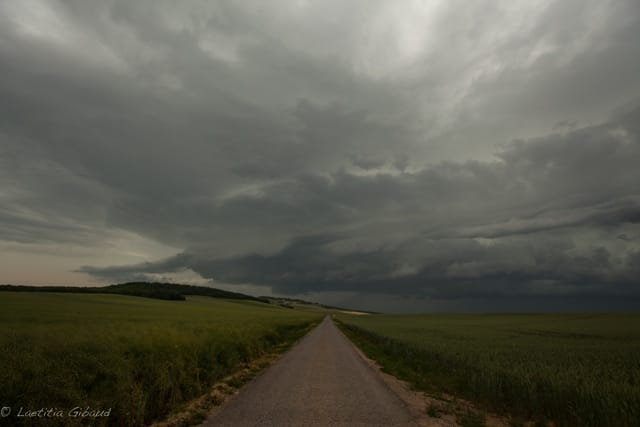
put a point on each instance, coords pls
(554, 215)
(435, 150)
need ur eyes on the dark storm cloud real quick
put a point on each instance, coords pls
(513, 227)
(442, 150)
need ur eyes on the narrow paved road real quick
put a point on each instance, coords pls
(322, 381)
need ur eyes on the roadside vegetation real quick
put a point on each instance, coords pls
(571, 369)
(141, 357)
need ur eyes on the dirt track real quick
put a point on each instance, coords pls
(322, 381)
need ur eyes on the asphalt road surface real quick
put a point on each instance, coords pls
(322, 381)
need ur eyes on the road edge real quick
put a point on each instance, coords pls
(415, 401)
(197, 411)
(230, 397)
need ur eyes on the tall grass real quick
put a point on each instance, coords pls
(142, 358)
(574, 369)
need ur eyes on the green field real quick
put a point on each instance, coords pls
(574, 369)
(140, 357)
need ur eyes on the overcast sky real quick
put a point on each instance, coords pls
(391, 155)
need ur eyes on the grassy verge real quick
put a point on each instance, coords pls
(194, 412)
(576, 370)
(142, 358)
